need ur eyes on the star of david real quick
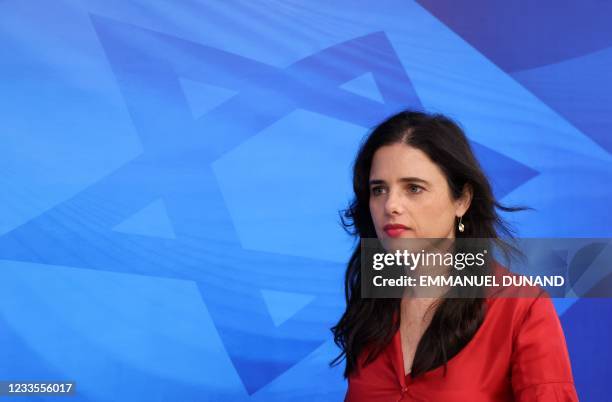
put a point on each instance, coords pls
(175, 166)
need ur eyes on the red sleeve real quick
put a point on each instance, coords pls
(541, 370)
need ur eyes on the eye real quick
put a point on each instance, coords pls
(414, 189)
(377, 190)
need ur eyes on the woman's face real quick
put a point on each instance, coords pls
(407, 188)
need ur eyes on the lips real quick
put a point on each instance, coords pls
(395, 229)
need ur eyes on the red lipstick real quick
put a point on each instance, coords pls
(395, 229)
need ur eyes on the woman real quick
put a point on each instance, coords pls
(415, 176)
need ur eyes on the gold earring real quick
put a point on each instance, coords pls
(460, 225)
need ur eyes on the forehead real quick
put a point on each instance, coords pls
(400, 160)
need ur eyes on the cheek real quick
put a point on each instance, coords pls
(374, 211)
(435, 217)
(377, 214)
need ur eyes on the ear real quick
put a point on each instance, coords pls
(462, 204)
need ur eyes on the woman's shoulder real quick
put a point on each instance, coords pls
(510, 306)
(527, 332)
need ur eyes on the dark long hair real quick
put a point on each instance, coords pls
(371, 323)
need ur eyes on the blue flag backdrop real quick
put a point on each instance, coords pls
(171, 175)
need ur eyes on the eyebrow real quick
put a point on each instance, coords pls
(402, 180)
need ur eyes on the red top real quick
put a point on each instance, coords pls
(518, 354)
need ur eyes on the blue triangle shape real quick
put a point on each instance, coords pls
(364, 85)
(505, 173)
(283, 305)
(256, 370)
(203, 98)
(152, 220)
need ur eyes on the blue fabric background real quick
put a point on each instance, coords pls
(171, 173)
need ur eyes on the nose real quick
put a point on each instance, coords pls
(393, 203)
